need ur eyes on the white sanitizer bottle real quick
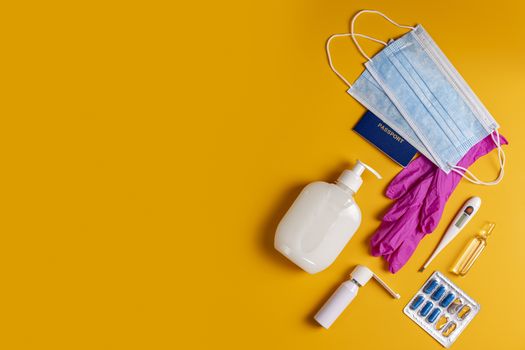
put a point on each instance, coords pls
(321, 221)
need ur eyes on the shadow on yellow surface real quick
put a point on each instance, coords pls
(149, 150)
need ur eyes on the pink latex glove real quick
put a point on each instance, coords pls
(421, 190)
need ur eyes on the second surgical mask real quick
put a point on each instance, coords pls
(412, 86)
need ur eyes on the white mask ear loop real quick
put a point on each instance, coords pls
(330, 56)
(501, 154)
(472, 178)
(378, 13)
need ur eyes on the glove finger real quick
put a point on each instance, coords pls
(393, 234)
(398, 209)
(412, 200)
(400, 222)
(438, 195)
(408, 177)
(407, 174)
(384, 230)
(399, 258)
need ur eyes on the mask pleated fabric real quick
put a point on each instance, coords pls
(413, 87)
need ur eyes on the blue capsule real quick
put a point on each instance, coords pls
(426, 309)
(433, 315)
(447, 300)
(431, 285)
(438, 293)
(417, 301)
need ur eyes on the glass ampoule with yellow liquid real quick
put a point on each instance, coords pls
(471, 252)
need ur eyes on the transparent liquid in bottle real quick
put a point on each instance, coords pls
(471, 252)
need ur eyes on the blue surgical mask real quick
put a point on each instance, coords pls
(411, 78)
(368, 92)
(371, 95)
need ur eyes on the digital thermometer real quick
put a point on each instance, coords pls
(469, 209)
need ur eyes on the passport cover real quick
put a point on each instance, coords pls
(379, 134)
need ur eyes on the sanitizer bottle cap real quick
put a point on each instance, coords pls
(352, 178)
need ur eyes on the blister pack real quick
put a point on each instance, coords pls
(442, 309)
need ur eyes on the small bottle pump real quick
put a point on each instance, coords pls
(346, 292)
(352, 178)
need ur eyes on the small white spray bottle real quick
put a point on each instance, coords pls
(321, 221)
(346, 292)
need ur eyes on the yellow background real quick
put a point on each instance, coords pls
(149, 150)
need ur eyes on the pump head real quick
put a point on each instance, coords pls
(352, 178)
(362, 274)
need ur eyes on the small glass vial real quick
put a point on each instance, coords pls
(471, 252)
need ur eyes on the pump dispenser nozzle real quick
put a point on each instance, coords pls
(362, 274)
(360, 167)
(352, 178)
(346, 292)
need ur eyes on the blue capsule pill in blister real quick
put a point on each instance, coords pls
(417, 301)
(438, 293)
(433, 315)
(441, 309)
(431, 285)
(447, 300)
(426, 309)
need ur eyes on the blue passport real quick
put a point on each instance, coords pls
(379, 134)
